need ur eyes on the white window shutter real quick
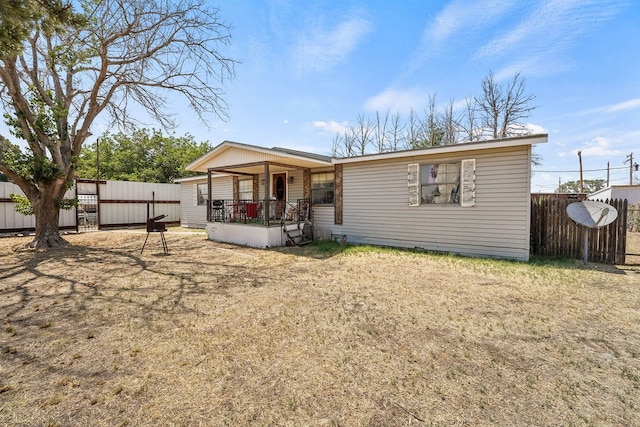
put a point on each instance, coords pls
(468, 183)
(195, 194)
(413, 183)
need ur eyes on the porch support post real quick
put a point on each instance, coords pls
(337, 195)
(256, 188)
(267, 194)
(208, 195)
(306, 184)
(236, 189)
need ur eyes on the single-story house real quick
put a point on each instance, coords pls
(471, 199)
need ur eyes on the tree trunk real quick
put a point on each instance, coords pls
(47, 214)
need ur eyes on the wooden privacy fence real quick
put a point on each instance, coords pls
(553, 233)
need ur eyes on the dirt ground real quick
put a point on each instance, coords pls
(218, 335)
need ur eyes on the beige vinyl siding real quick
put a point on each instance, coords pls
(324, 227)
(376, 209)
(238, 156)
(191, 216)
(222, 188)
(196, 216)
(261, 187)
(296, 189)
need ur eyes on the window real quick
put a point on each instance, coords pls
(203, 194)
(245, 189)
(440, 183)
(322, 188)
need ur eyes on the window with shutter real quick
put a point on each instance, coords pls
(442, 183)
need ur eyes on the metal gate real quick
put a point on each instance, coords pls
(88, 205)
(88, 212)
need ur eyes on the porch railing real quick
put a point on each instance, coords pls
(263, 212)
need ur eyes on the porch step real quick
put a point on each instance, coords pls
(295, 233)
(292, 227)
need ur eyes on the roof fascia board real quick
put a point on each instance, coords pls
(190, 178)
(230, 144)
(455, 148)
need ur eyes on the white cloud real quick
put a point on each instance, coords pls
(623, 106)
(535, 129)
(532, 66)
(630, 104)
(398, 100)
(319, 49)
(331, 126)
(597, 147)
(460, 15)
(457, 17)
(550, 28)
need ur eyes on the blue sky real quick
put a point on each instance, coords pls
(311, 67)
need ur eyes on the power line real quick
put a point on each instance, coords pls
(577, 171)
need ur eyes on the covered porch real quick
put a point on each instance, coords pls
(259, 197)
(263, 223)
(273, 189)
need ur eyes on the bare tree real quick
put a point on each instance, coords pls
(495, 113)
(120, 54)
(426, 131)
(517, 106)
(414, 130)
(380, 135)
(395, 132)
(503, 106)
(490, 102)
(432, 126)
(362, 134)
(342, 144)
(450, 126)
(468, 123)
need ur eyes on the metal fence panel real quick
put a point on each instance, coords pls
(120, 204)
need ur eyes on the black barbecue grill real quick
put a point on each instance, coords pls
(153, 226)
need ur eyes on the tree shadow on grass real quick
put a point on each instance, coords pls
(35, 281)
(61, 307)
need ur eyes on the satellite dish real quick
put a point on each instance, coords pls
(591, 214)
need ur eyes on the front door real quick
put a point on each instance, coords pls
(279, 189)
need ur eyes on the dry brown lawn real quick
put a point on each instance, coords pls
(215, 335)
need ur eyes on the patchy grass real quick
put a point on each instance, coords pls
(213, 334)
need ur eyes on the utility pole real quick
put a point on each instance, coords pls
(607, 174)
(98, 159)
(580, 157)
(631, 165)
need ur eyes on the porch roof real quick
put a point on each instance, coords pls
(237, 158)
